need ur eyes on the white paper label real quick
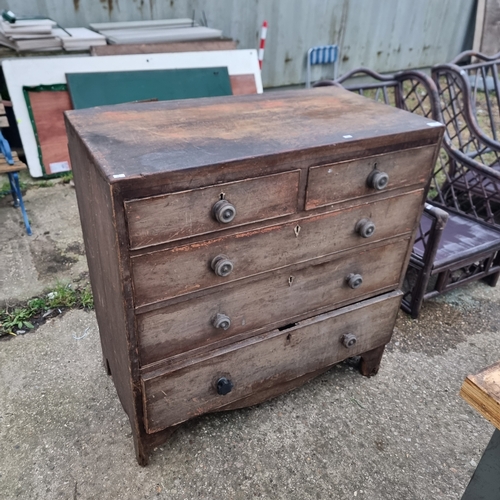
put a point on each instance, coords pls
(58, 167)
(118, 176)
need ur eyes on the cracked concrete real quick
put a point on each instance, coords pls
(404, 434)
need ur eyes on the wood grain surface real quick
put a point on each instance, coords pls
(186, 268)
(333, 183)
(482, 392)
(277, 300)
(267, 360)
(160, 48)
(5, 168)
(179, 215)
(95, 204)
(181, 135)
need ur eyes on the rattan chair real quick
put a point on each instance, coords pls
(458, 237)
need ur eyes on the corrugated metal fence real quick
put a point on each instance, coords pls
(385, 35)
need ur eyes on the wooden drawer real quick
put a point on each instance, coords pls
(169, 273)
(338, 182)
(174, 216)
(266, 360)
(275, 300)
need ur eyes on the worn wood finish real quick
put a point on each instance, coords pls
(147, 177)
(333, 183)
(186, 268)
(266, 360)
(96, 207)
(175, 216)
(370, 361)
(278, 299)
(482, 392)
(159, 48)
(5, 168)
(183, 135)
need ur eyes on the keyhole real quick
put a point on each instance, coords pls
(290, 281)
(222, 196)
(296, 230)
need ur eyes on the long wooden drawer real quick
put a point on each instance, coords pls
(174, 216)
(275, 300)
(266, 360)
(337, 182)
(169, 273)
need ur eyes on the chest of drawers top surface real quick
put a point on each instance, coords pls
(140, 139)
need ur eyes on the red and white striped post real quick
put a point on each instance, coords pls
(263, 35)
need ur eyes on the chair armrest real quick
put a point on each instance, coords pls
(429, 232)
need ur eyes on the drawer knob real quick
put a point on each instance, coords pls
(222, 266)
(365, 228)
(221, 321)
(348, 340)
(224, 386)
(378, 180)
(354, 280)
(224, 211)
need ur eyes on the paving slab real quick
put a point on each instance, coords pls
(404, 434)
(54, 253)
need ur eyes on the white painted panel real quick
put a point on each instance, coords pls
(30, 72)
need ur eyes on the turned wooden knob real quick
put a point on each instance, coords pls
(224, 386)
(222, 266)
(377, 180)
(348, 340)
(223, 211)
(354, 280)
(221, 321)
(365, 228)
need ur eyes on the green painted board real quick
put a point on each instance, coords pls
(116, 87)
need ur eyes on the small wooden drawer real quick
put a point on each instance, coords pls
(266, 360)
(338, 182)
(277, 299)
(184, 269)
(173, 216)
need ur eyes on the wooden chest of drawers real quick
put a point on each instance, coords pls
(240, 246)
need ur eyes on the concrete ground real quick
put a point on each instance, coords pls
(404, 434)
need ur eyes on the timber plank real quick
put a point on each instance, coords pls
(5, 168)
(482, 392)
(159, 48)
